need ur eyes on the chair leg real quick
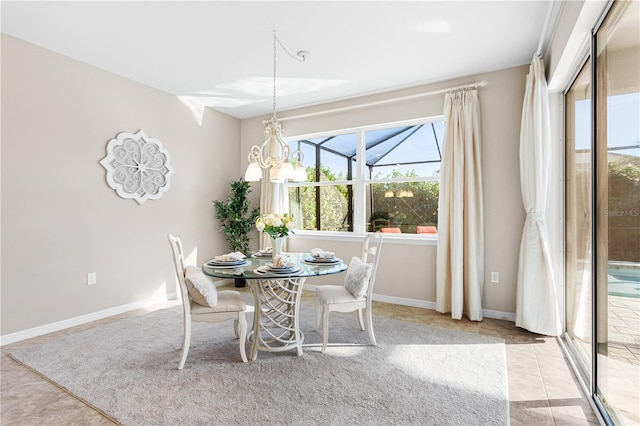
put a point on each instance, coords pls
(372, 337)
(360, 320)
(325, 327)
(186, 342)
(235, 328)
(318, 314)
(241, 331)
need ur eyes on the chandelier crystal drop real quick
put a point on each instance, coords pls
(274, 153)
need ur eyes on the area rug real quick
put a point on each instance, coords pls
(416, 375)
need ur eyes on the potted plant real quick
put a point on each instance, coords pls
(237, 219)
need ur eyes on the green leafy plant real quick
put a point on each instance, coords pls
(236, 218)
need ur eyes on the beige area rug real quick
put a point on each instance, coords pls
(416, 375)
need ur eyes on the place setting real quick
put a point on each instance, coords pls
(266, 252)
(321, 257)
(229, 260)
(281, 265)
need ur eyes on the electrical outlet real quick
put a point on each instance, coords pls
(92, 278)
(495, 277)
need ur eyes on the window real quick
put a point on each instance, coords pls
(376, 178)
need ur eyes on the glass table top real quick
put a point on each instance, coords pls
(256, 268)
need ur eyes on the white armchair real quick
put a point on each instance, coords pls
(356, 293)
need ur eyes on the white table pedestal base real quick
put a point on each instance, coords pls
(276, 326)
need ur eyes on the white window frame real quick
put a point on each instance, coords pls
(360, 181)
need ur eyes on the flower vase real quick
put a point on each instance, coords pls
(276, 245)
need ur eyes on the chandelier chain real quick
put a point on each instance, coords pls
(297, 58)
(274, 72)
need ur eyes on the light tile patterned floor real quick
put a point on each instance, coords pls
(542, 388)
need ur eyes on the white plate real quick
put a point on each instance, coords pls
(287, 272)
(272, 266)
(223, 266)
(260, 255)
(268, 270)
(313, 261)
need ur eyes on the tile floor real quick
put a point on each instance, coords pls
(542, 388)
(619, 359)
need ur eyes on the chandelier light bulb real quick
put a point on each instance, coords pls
(253, 173)
(287, 171)
(300, 174)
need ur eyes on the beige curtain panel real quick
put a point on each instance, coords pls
(536, 299)
(460, 255)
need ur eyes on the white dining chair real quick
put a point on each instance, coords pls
(356, 292)
(214, 306)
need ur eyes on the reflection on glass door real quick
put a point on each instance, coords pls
(578, 218)
(602, 216)
(618, 212)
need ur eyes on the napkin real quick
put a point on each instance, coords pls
(236, 255)
(321, 254)
(282, 261)
(266, 250)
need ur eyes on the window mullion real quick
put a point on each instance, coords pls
(359, 207)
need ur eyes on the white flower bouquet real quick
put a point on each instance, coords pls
(275, 224)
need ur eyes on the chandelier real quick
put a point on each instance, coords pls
(401, 194)
(274, 153)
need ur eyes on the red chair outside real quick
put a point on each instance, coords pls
(391, 230)
(426, 230)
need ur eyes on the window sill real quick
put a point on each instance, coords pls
(401, 239)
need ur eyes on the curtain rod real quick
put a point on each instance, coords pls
(544, 30)
(386, 101)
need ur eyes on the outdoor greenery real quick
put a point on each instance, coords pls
(403, 212)
(236, 218)
(623, 209)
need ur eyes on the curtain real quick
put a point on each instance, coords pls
(536, 298)
(273, 198)
(460, 255)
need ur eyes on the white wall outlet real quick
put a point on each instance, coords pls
(495, 277)
(92, 278)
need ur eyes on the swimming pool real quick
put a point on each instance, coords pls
(624, 279)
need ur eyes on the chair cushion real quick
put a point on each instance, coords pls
(334, 294)
(357, 279)
(201, 287)
(228, 301)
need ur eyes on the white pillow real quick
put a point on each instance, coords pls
(357, 279)
(201, 287)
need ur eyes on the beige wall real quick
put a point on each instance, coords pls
(407, 271)
(60, 220)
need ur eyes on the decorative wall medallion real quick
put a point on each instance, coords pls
(137, 167)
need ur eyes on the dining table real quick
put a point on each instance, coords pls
(277, 295)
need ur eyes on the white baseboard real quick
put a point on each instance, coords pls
(486, 313)
(82, 319)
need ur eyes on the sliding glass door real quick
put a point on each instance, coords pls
(578, 168)
(617, 192)
(602, 170)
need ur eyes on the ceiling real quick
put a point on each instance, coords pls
(220, 53)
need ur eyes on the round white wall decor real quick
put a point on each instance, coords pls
(137, 166)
